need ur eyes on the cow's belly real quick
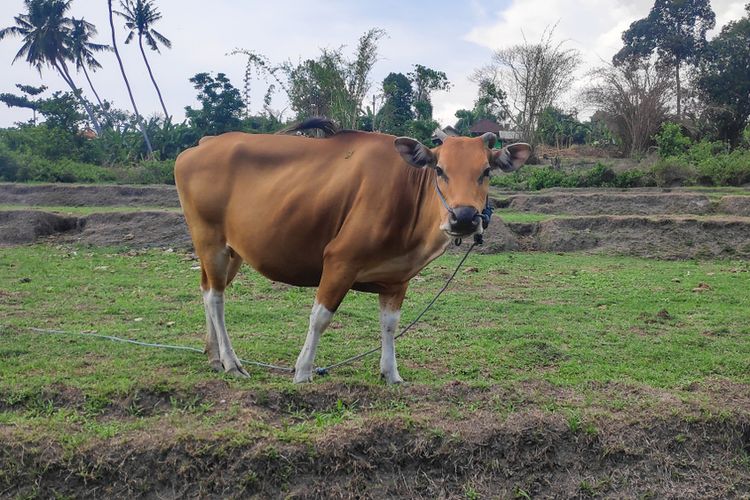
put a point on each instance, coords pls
(400, 268)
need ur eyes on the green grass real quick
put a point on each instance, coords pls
(510, 216)
(567, 320)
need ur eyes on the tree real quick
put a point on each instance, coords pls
(138, 116)
(560, 129)
(532, 76)
(426, 81)
(140, 16)
(396, 113)
(724, 79)
(676, 30)
(82, 49)
(634, 99)
(221, 105)
(28, 101)
(330, 85)
(46, 42)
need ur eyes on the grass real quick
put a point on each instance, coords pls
(510, 216)
(566, 320)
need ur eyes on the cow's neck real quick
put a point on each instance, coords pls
(430, 213)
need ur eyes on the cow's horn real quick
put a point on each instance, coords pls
(439, 136)
(489, 139)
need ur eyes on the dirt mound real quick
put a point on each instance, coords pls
(18, 227)
(133, 229)
(673, 238)
(531, 454)
(735, 205)
(70, 195)
(610, 203)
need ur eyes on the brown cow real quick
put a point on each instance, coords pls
(355, 210)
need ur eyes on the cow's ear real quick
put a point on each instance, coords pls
(511, 157)
(415, 153)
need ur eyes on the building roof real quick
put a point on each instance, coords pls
(483, 126)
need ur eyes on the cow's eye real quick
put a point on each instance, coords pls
(486, 173)
(441, 173)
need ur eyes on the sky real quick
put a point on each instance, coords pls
(456, 37)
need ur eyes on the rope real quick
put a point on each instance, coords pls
(324, 370)
(320, 371)
(160, 346)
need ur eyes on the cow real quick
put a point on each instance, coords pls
(353, 210)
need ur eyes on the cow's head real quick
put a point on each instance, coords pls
(463, 166)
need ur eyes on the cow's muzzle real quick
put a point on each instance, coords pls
(463, 220)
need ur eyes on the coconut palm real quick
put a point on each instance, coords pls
(46, 42)
(82, 49)
(127, 83)
(140, 16)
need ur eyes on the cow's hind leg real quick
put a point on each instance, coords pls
(390, 313)
(335, 282)
(219, 266)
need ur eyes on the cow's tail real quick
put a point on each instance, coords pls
(327, 126)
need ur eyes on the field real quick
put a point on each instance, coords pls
(537, 374)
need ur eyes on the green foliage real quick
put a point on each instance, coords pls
(221, 105)
(674, 172)
(671, 141)
(426, 81)
(146, 172)
(422, 130)
(396, 112)
(536, 178)
(724, 80)
(561, 129)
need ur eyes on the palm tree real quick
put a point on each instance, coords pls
(140, 16)
(127, 83)
(46, 41)
(82, 50)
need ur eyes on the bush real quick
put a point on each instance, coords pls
(671, 141)
(731, 169)
(674, 172)
(147, 172)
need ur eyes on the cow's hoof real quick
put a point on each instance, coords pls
(303, 378)
(391, 378)
(235, 369)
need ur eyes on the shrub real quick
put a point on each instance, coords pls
(674, 172)
(599, 176)
(671, 141)
(731, 169)
(146, 172)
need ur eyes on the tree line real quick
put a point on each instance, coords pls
(667, 72)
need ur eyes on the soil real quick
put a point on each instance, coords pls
(73, 195)
(659, 446)
(646, 223)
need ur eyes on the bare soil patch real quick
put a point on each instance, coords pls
(18, 227)
(662, 237)
(646, 222)
(73, 195)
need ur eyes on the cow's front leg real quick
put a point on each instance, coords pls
(334, 283)
(320, 318)
(390, 313)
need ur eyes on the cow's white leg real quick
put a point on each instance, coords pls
(214, 303)
(390, 313)
(388, 365)
(320, 318)
(212, 343)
